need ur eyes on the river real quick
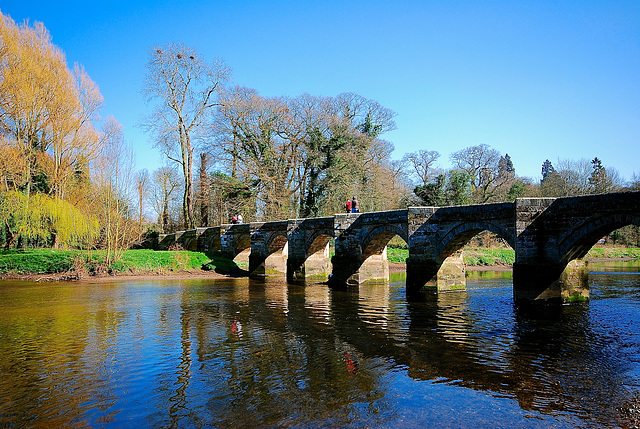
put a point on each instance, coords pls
(242, 353)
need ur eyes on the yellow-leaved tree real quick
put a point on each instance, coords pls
(48, 142)
(46, 111)
(41, 219)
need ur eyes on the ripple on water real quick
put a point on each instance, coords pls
(245, 354)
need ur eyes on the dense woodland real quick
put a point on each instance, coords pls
(68, 178)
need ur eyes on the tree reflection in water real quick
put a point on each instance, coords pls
(240, 353)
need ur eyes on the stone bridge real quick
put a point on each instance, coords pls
(550, 237)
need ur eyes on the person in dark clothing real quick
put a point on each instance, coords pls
(354, 205)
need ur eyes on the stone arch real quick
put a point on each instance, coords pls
(376, 240)
(457, 237)
(241, 244)
(276, 242)
(317, 242)
(577, 241)
(210, 240)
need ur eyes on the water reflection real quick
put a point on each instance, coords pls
(240, 353)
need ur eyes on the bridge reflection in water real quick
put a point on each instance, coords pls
(263, 353)
(550, 237)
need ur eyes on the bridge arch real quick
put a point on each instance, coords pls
(457, 237)
(577, 241)
(317, 242)
(269, 251)
(235, 242)
(308, 253)
(377, 239)
(276, 242)
(242, 244)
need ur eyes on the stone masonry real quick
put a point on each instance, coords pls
(550, 237)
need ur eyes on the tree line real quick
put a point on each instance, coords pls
(64, 172)
(267, 157)
(273, 158)
(67, 176)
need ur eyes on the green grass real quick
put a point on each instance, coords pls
(481, 256)
(397, 255)
(478, 256)
(488, 256)
(37, 261)
(47, 261)
(614, 252)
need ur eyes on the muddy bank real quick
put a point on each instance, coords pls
(103, 278)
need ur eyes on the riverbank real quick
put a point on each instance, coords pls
(72, 265)
(69, 265)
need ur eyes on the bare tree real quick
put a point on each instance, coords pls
(114, 179)
(186, 88)
(165, 182)
(580, 177)
(422, 163)
(142, 182)
(481, 163)
(203, 190)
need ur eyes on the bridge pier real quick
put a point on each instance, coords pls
(316, 265)
(269, 248)
(355, 269)
(448, 276)
(551, 282)
(309, 248)
(425, 266)
(540, 273)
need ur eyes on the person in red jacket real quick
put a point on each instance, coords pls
(348, 205)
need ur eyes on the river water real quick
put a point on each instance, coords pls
(241, 353)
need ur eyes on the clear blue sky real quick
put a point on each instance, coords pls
(534, 79)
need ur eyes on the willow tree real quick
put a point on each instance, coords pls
(46, 110)
(184, 88)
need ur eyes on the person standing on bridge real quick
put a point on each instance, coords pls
(354, 205)
(348, 205)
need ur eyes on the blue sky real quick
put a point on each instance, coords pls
(535, 79)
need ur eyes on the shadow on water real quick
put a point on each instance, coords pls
(263, 353)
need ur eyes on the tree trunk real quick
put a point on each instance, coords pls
(204, 191)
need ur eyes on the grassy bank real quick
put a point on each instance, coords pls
(473, 257)
(506, 256)
(76, 263)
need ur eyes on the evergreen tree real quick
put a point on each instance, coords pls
(433, 193)
(598, 179)
(547, 169)
(505, 167)
(459, 188)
